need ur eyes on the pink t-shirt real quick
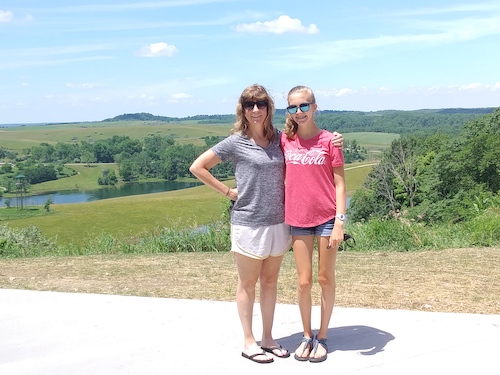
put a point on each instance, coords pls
(309, 183)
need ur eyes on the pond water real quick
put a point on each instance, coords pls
(82, 196)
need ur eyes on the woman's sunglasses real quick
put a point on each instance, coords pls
(261, 104)
(304, 107)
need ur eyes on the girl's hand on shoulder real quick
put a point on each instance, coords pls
(337, 140)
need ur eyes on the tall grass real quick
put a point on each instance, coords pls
(395, 235)
(375, 235)
(29, 242)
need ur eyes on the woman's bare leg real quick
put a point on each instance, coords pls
(268, 292)
(248, 273)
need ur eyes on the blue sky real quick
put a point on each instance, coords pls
(73, 60)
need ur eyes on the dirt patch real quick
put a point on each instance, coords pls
(453, 280)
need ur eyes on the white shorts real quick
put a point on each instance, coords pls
(261, 242)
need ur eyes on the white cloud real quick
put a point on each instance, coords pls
(344, 92)
(124, 6)
(337, 92)
(181, 95)
(157, 49)
(281, 25)
(459, 8)
(6, 16)
(313, 55)
(424, 91)
(471, 86)
(82, 86)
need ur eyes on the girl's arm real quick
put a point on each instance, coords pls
(337, 235)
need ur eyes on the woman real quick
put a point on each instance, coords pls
(259, 235)
(315, 203)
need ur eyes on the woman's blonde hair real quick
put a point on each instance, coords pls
(290, 125)
(254, 93)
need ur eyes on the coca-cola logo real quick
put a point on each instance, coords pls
(311, 157)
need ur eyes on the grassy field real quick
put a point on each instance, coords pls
(451, 280)
(130, 216)
(372, 141)
(20, 137)
(86, 178)
(126, 216)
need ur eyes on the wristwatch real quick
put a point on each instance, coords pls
(341, 217)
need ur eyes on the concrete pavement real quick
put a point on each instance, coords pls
(50, 333)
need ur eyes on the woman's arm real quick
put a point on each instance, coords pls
(201, 169)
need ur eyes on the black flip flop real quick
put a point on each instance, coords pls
(278, 347)
(252, 357)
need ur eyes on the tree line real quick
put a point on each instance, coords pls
(436, 177)
(448, 120)
(154, 156)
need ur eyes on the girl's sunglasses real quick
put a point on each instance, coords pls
(304, 107)
(261, 104)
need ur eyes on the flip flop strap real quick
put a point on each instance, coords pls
(308, 343)
(323, 344)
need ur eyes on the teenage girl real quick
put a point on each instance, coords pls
(315, 203)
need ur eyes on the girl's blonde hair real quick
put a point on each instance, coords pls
(290, 125)
(254, 93)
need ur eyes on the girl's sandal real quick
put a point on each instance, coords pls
(317, 342)
(308, 344)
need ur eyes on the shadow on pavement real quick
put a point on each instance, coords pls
(366, 340)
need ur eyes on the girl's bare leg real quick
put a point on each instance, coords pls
(303, 247)
(326, 278)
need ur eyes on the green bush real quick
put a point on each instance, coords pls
(374, 235)
(484, 230)
(383, 235)
(24, 242)
(405, 235)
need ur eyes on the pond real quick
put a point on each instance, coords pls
(82, 196)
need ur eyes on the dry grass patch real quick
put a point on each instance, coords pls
(454, 280)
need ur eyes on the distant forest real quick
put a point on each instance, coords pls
(448, 120)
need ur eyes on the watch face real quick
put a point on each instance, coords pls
(340, 217)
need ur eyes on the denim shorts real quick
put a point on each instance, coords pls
(323, 230)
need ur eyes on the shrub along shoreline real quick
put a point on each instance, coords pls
(375, 235)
